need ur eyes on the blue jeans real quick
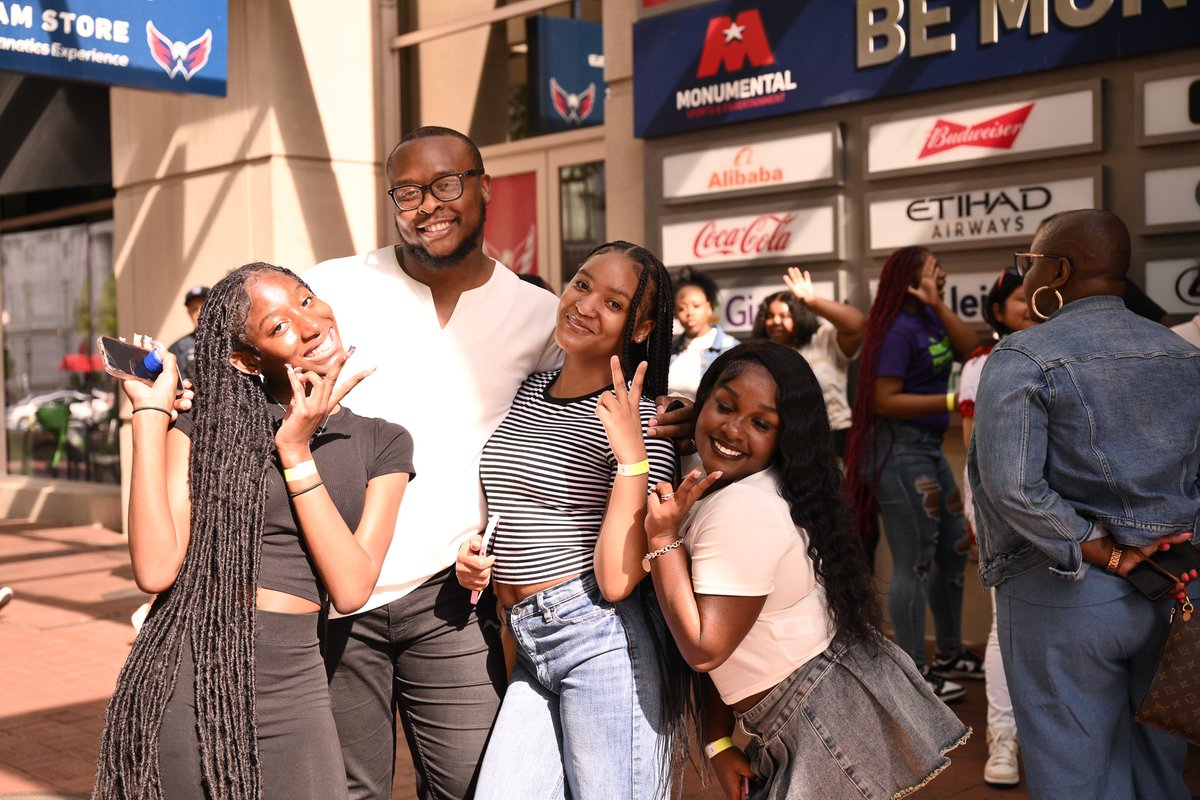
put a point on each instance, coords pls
(921, 509)
(1079, 657)
(581, 717)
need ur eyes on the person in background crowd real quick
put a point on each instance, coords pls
(827, 333)
(184, 348)
(1137, 301)
(244, 517)
(454, 335)
(895, 466)
(567, 474)
(535, 280)
(1080, 472)
(702, 339)
(1006, 310)
(770, 596)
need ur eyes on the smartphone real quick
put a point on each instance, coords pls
(129, 362)
(745, 788)
(485, 547)
(1179, 559)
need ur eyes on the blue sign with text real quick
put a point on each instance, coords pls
(172, 46)
(736, 60)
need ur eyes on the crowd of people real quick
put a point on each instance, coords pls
(623, 544)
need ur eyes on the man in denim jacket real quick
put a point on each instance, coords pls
(1084, 461)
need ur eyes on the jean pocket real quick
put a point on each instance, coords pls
(582, 608)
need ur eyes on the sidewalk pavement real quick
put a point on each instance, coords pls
(66, 633)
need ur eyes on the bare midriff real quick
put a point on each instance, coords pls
(284, 603)
(509, 594)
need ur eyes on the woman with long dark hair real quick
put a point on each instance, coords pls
(827, 333)
(591, 709)
(769, 595)
(894, 462)
(245, 516)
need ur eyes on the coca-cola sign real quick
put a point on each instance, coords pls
(1023, 128)
(775, 234)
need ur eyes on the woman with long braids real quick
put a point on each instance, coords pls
(894, 462)
(244, 516)
(765, 589)
(589, 711)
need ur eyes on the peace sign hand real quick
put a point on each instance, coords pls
(620, 412)
(666, 509)
(313, 398)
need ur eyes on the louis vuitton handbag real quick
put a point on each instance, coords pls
(1172, 702)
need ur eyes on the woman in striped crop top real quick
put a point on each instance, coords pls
(567, 473)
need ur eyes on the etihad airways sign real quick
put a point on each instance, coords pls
(799, 159)
(781, 233)
(1026, 127)
(726, 61)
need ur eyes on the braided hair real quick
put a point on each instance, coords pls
(210, 607)
(899, 272)
(652, 299)
(804, 322)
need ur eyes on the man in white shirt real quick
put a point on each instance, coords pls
(453, 334)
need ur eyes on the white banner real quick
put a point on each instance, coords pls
(739, 306)
(965, 293)
(978, 214)
(1165, 105)
(1173, 196)
(1174, 283)
(804, 158)
(775, 234)
(942, 137)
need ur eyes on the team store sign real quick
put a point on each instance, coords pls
(969, 134)
(792, 160)
(978, 214)
(785, 233)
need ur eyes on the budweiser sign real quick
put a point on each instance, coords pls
(785, 233)
(768, 233)
(998, 132)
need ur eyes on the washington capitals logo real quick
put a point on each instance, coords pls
(573, 107)
(179, 58)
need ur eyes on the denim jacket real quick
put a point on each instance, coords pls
(721, 342)
(1085, 425)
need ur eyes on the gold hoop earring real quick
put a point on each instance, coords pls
(1033, 303)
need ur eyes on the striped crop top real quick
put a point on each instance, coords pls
(547, 472)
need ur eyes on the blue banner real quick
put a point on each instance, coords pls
(735, 60)
(173, 46)
(566, 74)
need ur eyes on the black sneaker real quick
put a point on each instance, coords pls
(964, 666)
(944, 690)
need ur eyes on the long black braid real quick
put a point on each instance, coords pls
(210, 607)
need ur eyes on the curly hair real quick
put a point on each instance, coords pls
(701, 280)
(810, 479)
(804, 322)
(898, 274)
(210, 608)
(652, 299)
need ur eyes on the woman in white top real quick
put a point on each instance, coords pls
(702, 340)
(827, 333)
(771, 597)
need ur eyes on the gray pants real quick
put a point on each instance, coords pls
(435, 659)
(298, 752)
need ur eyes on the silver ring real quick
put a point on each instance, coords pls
(665, 497)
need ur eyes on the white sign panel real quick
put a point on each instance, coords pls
(1042, 123)
(965, 293)
(739, 306)
(1165, 105)
(791, 160)
(1174, 283)
(969, 215)
(1173, 196)
(775, 234)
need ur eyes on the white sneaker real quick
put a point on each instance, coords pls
(1002, 767)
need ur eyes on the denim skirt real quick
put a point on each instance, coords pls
(850, 723)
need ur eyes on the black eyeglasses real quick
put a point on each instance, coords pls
(1023, 262)
(446, 188)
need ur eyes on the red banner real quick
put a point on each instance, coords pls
(998, 132)
(510, 233)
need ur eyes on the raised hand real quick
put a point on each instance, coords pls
(314, 397)
(160, 394)
(666, 508)
(801, 284)
(621, 414)
(929, 289)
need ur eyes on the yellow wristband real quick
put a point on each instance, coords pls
(302, 470)
(720, 745)
(950, 402)
(636, 468)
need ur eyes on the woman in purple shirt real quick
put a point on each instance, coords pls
(894, 462)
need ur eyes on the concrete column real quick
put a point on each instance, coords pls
(623, 154)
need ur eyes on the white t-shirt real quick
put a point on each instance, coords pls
(743, 543)
(687, 368)
(450, 387)
(1190, 330)
(829, 363)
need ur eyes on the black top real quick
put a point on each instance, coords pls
(349, 452)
